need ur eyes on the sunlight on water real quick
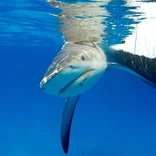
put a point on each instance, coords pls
(82, 22)
(94, 21)
(30, 23)
(143, 31)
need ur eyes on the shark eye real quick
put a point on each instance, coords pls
(72, 67)
(82, 57)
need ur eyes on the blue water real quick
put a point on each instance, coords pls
(115, 118)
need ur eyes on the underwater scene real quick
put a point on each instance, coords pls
(78, 77)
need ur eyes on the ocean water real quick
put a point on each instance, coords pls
(115, 118)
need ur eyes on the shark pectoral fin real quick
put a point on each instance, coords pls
(118, 66)
(67, 116)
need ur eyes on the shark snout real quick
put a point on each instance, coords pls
(43, 81)
(49, 76)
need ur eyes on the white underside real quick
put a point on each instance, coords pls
(54, 85)
(143, 39)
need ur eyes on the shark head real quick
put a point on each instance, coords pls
(75, 69)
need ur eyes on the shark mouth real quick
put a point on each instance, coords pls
(82, 78)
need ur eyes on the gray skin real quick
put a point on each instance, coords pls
(75, 69)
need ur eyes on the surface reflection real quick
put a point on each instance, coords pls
(82, 21)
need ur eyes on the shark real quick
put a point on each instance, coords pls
(75, 70)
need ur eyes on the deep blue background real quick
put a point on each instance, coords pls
(115, 118)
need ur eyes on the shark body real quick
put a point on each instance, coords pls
(75, 69)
